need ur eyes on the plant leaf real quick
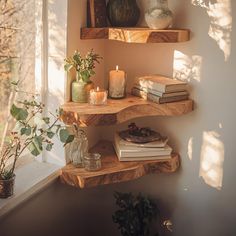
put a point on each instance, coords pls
(36, 146)
(65, 136)
(15, 82)
(67, 67)
(26, 131)
(18, 113)
(49, 147)
(46, 120)
(50, 134)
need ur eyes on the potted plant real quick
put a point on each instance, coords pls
(135, 214)
(84, 68)
(33, 132)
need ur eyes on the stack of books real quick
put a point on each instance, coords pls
(160, 89)
(129, 151)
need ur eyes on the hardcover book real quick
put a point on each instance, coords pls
(161, 83)
(154, 144)
(131, 153)
(155, 98)
(96, 13)
(161, 94)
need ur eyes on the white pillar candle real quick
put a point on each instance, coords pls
(98, 96)
(117, 83)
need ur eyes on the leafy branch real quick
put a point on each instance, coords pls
(32, 132)
(84, 67)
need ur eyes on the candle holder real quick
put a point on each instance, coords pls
(117, 84)
(92, 162)
(98, 97)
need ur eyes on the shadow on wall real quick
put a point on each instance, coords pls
(189, 68)
(220, 14)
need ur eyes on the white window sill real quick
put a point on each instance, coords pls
(31, 177)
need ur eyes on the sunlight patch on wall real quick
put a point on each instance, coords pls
(220, 14)
(212, 159)
(190, 148)
(187, 67)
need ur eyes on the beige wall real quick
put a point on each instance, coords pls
(200, 198)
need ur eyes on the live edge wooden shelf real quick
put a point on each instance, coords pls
(114, 171)
(136, 35)
(118, 111)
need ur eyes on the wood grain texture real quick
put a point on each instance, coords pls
(118, 111)
(137, 35)
(114, 171)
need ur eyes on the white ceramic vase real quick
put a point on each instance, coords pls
(159, 15)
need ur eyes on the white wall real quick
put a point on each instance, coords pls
(200, 196)
(205, 138)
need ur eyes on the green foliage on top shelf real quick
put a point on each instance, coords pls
(84, 66)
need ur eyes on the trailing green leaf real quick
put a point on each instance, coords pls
(65, 136)
(36, 146)
(46, 120)
(18, 113)
(26, 131)
(50, 134)
(49, 146)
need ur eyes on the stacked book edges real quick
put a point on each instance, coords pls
(128, 151)
(160, 89)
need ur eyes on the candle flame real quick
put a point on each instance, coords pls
(97, 89)
(117, 68)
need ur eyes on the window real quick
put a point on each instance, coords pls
(32, 50)
(17, 54)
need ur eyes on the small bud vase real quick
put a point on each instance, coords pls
(78, 149)
(80, 90)
(159, 16)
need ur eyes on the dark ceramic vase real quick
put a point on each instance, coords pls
(123, 13)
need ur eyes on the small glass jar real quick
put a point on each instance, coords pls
(98, 97)
(78, 149)
(92, 162)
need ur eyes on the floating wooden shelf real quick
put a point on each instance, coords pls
(118, 111)
(137, 35)
(114, 171)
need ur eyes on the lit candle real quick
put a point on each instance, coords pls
(98, 96)
(117, 83)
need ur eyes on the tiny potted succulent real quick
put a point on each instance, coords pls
(33, 132)
(84, 68)
(135, 214)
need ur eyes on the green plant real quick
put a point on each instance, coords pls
(84, 67)
(33, 132)
(135, 214)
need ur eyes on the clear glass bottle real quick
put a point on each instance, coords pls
(78, 148)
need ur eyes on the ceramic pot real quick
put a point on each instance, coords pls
(7, 187)
(80, 91)
(159, 16)
(123, 13)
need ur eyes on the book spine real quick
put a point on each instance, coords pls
(157, 99)
(160, 94)
(147, 90)
(155, 86)
(145, 95)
